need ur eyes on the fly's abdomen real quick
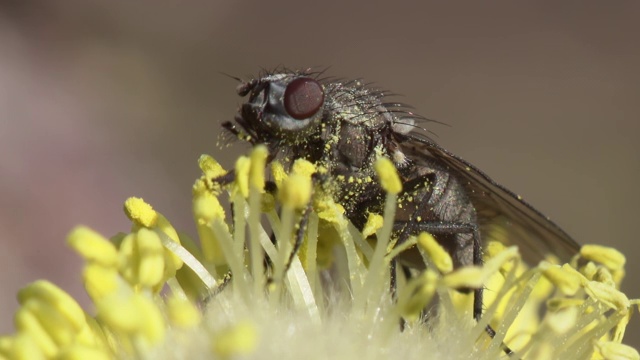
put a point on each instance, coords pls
(442, 208)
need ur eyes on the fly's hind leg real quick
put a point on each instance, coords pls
(452, 228)
(443, 228)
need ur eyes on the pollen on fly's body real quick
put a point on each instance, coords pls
(345, 126)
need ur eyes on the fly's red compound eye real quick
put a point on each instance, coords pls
(303, 98)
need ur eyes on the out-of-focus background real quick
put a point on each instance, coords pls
(102, 100)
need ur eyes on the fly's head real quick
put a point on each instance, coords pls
(283, 109)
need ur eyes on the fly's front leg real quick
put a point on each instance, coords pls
(453, 224)
(224, 180)
(302, 224)
(302, 228)
(271, 188)
(299, 239)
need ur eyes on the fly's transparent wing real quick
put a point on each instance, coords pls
(498, 208)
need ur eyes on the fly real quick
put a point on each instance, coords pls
(347, 125)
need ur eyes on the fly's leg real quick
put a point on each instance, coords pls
(302, 228)
(271, 188)
(218, 289)
(393, 280)
(302, 224)
(436, 228)
(393, 284)
(444, 228)
(224, 180)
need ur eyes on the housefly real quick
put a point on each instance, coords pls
(346, 125)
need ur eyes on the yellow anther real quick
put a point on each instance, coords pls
(296, 191)
(58, 299)
(140, 212)
(440, 257)
(475, 276)
(25, 347)
(201, 186)
(589, 270)
(417, 294)
(208, 212)
(54, 323)
(210, 167)
(604, 276)
(100, 281)
(328, 210)
(565, 278)
(615, 351)
(27, 322)
(149, 258)
(388, 175)
(608, 295)
(258, 162)
(467, 277)
(374, 223)
(609, 257)
(93, 246)
(278, 173)
(242, 168)
(493, 248)
(303, 167)
(207, 208)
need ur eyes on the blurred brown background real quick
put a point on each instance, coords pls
(101, 100)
